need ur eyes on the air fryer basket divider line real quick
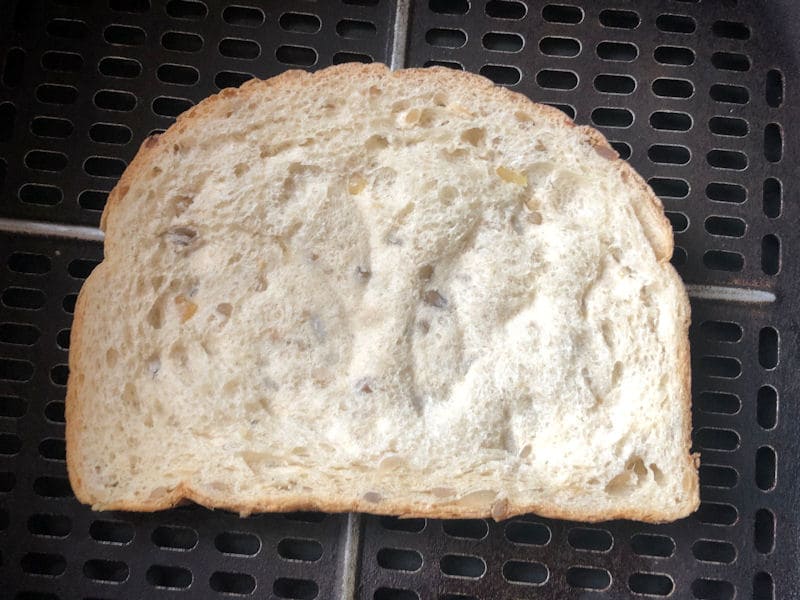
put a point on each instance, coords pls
(399, 51)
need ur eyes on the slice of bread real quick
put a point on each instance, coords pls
(409, 293)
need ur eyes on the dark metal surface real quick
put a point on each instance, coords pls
(699, 96)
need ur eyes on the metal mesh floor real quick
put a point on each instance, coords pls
(697, 95)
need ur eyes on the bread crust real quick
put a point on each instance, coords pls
(649, 212)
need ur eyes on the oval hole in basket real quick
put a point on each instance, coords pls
(174, 537)
(228, 582)
(764, 531)
(526, 532)
(646, 544)
(13, 369)
(763, 586)
(54, 60)
(721, 476)
(676, 23)
(124, 35)
(462, 565)
(169, 577)
(19, 333)
(112, 571)
(506, 9)
(300, 549)
(716, 402)
(52, 127)
(766, 468)
(449, 7)
(12, 406)
(772, 197)
(475, 529)
(296, 55)
(725, 226)
(186, 9)
(730, 126)
(671, 121)
(558, 46)
(45, 160)
(590, 538)
(617, 51)
(612, 117)
(712, 438)
(589, 578)
(502, 74)
(356, 29)
(673, 88)
(717, 513)
(446, 38)
(52, 449)
(728, 93)
(237, 543)
(24, 298)
(243, 16)
(721, 331)
(67, 28)
(399, 559)
(10, 444)
(723, 260)
(767, 407)
(653, 584)
(770, 254)
(674, 55)
(525, 572)
(114, 532)
(716, 551)
(619, 19)
(181, 41)
(774, 88)
(562, 13)
(555, 79)
(296, 589)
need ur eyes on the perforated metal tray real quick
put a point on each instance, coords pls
(699, 96)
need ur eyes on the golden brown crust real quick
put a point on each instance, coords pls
(649, 211)
(72, 407)
(691, 477)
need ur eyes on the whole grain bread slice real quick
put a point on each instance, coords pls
(411, 293)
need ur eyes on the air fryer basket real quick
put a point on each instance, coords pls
(699, 96)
